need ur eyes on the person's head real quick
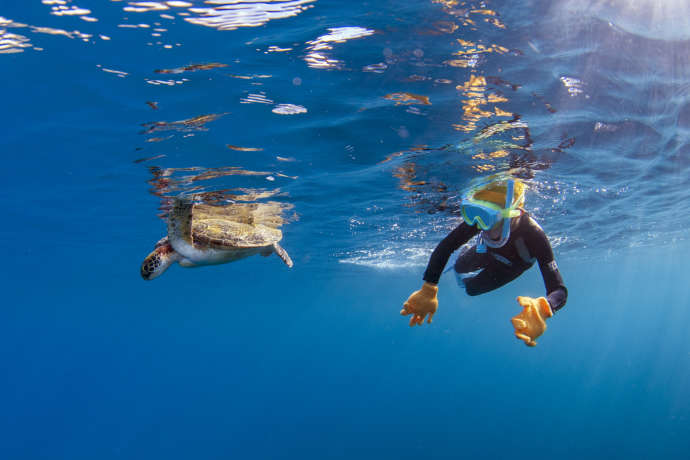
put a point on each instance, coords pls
(491, 206)
(495, 192)
(487, 204)
(496, 231)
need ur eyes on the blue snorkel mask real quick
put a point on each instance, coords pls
(485, 215)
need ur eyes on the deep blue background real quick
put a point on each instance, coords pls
(98, 364)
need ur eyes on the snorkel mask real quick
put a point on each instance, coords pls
(485, 214)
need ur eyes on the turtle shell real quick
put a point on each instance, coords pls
(247, 213)
(238, 226)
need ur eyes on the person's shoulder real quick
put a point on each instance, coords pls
(529, 223)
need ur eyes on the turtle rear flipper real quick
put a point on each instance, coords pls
(282, 253)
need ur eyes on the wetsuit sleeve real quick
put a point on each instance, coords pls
(540, 248)
(445, 248)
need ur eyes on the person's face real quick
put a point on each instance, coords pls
(496, 231)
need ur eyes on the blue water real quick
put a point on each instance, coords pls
(364, 121)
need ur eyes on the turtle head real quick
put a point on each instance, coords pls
(158, 261)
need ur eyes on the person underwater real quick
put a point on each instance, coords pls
(509, 242)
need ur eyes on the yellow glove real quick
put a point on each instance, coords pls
(421, 303)
(530, 324)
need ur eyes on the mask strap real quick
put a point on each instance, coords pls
(509, 193)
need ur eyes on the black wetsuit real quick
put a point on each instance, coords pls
(527, 243)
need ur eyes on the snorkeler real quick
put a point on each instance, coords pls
(509, 243)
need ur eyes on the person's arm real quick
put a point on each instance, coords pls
(439, 258)
(540, 248)
(424, 302)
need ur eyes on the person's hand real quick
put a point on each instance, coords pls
(530, 323)
(421, 303)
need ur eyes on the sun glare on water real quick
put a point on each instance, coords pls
(655, 19)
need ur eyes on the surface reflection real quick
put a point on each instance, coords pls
(65, 8)
(222, 15)
(227, 186)
(317, 56)
(197, 123)
(10, 42)
(496, 139)
(192, 68)
(226, 14)
(407, 99)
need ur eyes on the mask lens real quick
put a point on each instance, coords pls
(480, 216)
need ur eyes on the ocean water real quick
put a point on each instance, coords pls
(359, 124)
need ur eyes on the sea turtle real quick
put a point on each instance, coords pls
(200, 234)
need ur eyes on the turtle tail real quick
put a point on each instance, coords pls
(282, 253)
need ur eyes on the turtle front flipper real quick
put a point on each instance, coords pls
(180, 220)
(282, 253)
